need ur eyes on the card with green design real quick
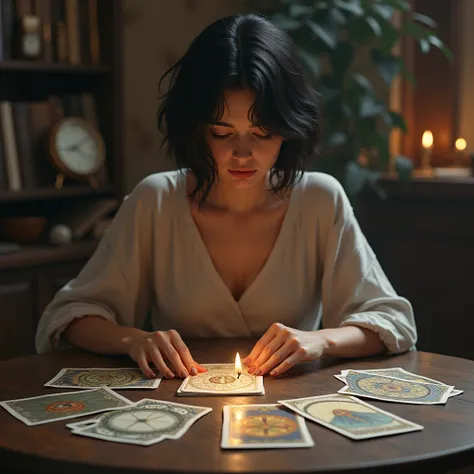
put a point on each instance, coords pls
(61, 406)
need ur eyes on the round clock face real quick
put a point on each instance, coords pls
(78, 148)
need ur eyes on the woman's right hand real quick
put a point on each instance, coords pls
(162, 348)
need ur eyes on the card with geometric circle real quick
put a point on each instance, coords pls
(350, 416)
(263, 426)
(61, 406)
(393, 389)
(115, 378)
(221, 379)
(400, 373)
(145, 423)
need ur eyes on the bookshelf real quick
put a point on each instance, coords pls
(62, 81)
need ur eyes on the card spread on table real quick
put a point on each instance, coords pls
(350, 416)
(115, 378)
(221, 379)
(393, 389)
(61, 406)
(399, 372)
(144, 423)
(263, 426)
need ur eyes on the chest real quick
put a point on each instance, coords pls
(239, 247)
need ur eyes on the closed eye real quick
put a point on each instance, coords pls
(221, 137)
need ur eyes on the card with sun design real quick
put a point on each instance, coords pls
(113, 377)
(221, 379)
(393, 389)
(62, 406)
(350, 416)
(263, 426)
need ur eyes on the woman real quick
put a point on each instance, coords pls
(239, 242)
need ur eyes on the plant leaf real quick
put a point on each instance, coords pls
(387, 65)
(416, 30)
(381, 144)
(399, 4)
(397, 121)
(425, 45)
(350, 6)
(325, 34)
(362, 81)
(297, 10)
(312, 61)
(341, 58)
(426, 20)
(435, 41)
(285, 22)
(404, 166)
(369, 106)
(374, 24)
(357, 178)
(385, 11)
(336, 139)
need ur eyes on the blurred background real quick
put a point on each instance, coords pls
(78, 100)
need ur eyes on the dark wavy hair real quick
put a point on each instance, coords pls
(244, 51)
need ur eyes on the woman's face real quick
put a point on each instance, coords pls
(244, 152)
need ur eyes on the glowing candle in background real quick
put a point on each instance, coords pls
(460, 145)
(426, 149)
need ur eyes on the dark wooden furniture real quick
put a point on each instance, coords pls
(446, 442)
(423, 235)
(29, 278)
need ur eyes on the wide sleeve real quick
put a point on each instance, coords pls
(115, 283)
(355, 289)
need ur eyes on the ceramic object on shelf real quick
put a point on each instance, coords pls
(22, 230)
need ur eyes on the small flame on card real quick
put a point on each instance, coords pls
(238, 365)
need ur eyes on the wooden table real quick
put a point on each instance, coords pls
(446, 442)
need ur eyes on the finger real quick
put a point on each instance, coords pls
(289, 362)
(143, 364)
(167, 348)
(273, 346)
(189, 363)
(261, 343)
(201, 368)
(160, 364)
(276, 359)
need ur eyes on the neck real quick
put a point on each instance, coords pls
(237, 200)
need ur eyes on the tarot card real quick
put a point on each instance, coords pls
(115, 378)
(392, 389)
(350, 416)
(220, 379)
(61, 406)
(145, 423)
(400, 373)
(263, 426)
(80, 424)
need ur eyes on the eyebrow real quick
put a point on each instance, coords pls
(225, 124)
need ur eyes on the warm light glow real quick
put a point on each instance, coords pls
(460, 144)
(427, 140)
(238, 364)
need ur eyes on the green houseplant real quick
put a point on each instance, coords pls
(348, 47)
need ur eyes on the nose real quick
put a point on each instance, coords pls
(242, 151)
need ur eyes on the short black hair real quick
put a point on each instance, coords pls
(244, 51)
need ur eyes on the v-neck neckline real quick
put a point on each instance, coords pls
(206, 256)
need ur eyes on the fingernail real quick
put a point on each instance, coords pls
(246, 361)
(170, 375)
(252, 369)
(193, 371)
(152, 375)
(258, 372)
(184, 374)
(273, 372)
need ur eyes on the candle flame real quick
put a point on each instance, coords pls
(238, 364)
(460, 144)
(427, 139)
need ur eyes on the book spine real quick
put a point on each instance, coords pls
(11, 153)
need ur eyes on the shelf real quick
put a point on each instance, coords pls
(52, 193)
(31, 256)
(44, 67)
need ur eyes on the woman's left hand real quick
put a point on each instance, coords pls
(281, 347)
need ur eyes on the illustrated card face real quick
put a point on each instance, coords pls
(350, 416)
(220, 379)
(115, 378)
(146, 422)
(61, 406)
(399, 372)
(393, 389)
(263, 426)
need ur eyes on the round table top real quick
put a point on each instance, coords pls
(447, 439)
